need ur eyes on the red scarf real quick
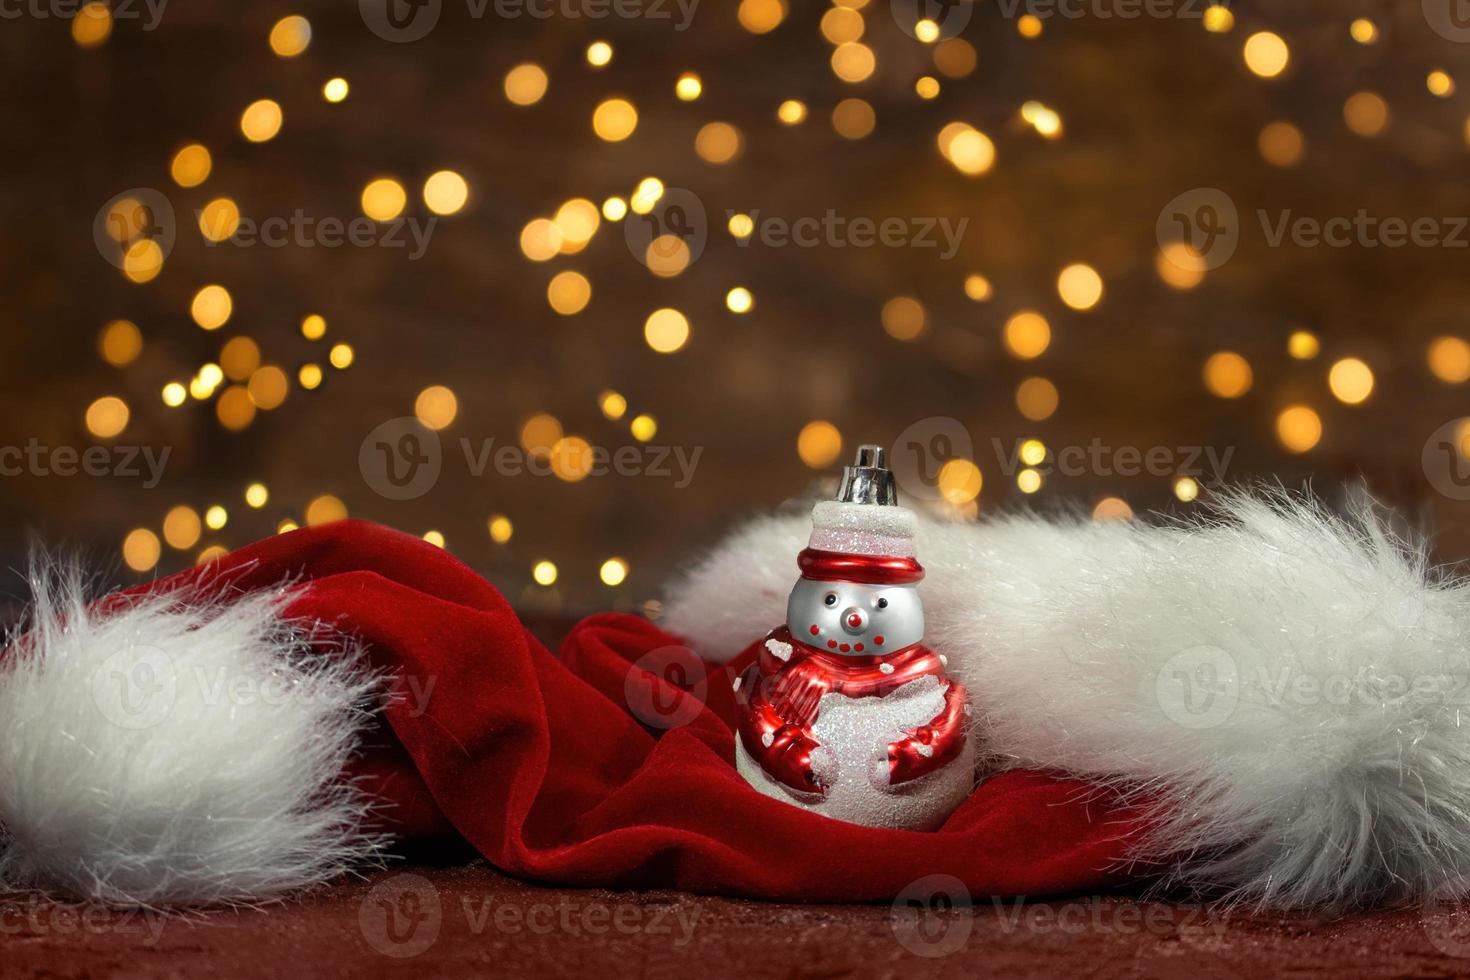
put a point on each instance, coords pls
(784, 688)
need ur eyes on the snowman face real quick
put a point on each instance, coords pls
(855, 619)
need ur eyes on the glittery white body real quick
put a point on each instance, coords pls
(855, 731)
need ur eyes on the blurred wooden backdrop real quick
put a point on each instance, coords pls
(1096, 123)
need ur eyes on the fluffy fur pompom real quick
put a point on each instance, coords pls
(1291, 685)
(175, 751)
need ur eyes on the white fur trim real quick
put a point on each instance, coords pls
(1292, 684)
(175, 753)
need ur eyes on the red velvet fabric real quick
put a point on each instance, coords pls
(540, 763)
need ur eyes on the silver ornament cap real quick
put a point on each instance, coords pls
(868, 480)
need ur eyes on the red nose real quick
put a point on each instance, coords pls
(854, 620)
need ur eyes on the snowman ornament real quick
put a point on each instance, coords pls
(846, 712)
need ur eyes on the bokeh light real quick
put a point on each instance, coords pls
(1449, 359)
(92, 24)
(191, 165)
(819, 444)
(959, 480)
(525, 84)
(1228, 374)
(1351, 380)
(1037, 399)
(141, 549)
(383, 199)
(182, 527)
(1027, 334)
(107, 417)
(569, 292)
(212, 306)
(1299, 428)
(120, 343)
(613, 572)
(436, 406)
(666, 330)
(614, 120)
(261, 120)
(325, 509)
(1266, 54)
(903, 318)
(290, 36)
(1080, 286)
(445, 192)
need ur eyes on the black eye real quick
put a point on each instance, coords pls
(882, 603)
(831, 599)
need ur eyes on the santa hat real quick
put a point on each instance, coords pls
(256, 724)
(863, 535)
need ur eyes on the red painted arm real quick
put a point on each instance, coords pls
(930, 747)
(782, 746)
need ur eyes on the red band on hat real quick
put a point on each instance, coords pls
(837, 566)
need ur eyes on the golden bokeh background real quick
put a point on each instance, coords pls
(758, 231)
